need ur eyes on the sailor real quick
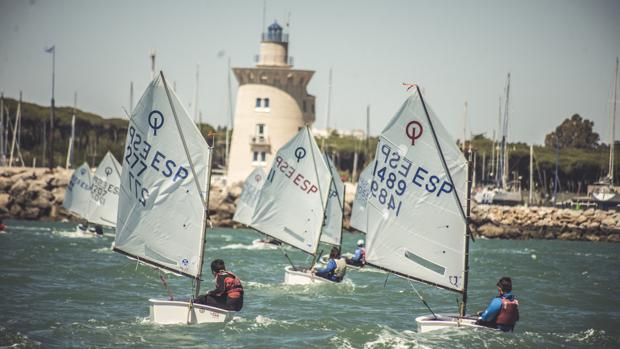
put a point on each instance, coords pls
(228, 292)
(503, 311)
(98, 230)
(359, 258)
(335, 269)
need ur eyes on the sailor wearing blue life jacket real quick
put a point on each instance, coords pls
(503, 311)
(335, 269)
(359, 259)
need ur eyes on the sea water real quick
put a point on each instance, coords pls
(59, 289)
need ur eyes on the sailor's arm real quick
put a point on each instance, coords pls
(331, 266)
(492, 310)
(219, 286)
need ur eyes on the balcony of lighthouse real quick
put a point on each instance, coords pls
(260, 142)
(274, 60)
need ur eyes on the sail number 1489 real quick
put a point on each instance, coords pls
(390, 184)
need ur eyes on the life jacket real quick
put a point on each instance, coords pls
(508, 313)
(341, 268)
(2, 226)
(363, 255)
(232, 285)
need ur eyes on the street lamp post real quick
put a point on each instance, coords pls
(50, 150)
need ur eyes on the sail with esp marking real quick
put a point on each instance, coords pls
(104, 192)
(358, 209)
(292, 202)
(416, 223)
(77, 195)
(162, 200)
(332, 226)
(249, 196)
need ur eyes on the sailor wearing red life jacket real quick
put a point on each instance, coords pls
(228, 292)
(503, 311)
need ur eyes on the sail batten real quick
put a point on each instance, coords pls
(291, 203)
(164, 184)
(416, 225)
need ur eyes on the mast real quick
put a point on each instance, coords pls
(531, 173)
(465, 128)
(18, 114)
(612, 142)
(230, 115)
(367, 157)
(329, 99)
(463, 307)
(71, 139)
(205, 222)
(505, 136)
(130, 97)
(2, 153)
(196, 96)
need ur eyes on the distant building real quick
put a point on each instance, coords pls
(272, 104)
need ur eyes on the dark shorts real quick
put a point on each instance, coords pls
(221, 302)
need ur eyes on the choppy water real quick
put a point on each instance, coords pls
(64, 291)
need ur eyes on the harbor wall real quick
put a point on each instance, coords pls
(37, 194)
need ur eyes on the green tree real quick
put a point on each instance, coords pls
(575, 132)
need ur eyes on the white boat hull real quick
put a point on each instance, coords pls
(427, 323)
(294, 277)
(167, 312)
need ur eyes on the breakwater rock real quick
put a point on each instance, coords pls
(508, 222)
(34, 194)
(37, 194)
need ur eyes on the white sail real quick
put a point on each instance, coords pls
(332, 227)
(249, 196)
(161, 205)
(104, 192)
(358, 210)
(77, 195)
(416, 223)
(291, 205)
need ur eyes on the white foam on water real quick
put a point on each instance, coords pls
(102, 250)
(73, 234)
(388, 338)
(254, 246)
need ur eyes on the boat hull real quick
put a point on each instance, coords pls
(427, 323)
(295, 277)
(167, 312)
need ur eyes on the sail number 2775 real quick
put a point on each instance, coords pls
(387, 188)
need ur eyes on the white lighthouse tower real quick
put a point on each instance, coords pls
(272, 104)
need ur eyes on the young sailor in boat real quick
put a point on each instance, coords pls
(228, 292)
(335, 269)
(359, 258)
(503, 311)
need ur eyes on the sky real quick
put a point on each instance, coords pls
(560, 54)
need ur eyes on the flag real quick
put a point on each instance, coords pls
(50, 49)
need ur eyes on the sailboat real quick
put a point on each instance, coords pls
(358, 209)
(246, 204)
(331, 233)
(77, 196)
(69, 162)
(291, 205)
(104, 192)
(604, 192)
(163, 203)
(417, 209)
(94, 197)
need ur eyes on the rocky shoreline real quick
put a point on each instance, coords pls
(37, 194)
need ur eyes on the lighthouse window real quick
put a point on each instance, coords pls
(259, 157)
(312, 108)
(266, 103)
(303, 106)
(258, 102)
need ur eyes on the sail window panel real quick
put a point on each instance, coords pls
(425, 263)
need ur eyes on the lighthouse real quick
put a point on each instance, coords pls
(272, 105)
